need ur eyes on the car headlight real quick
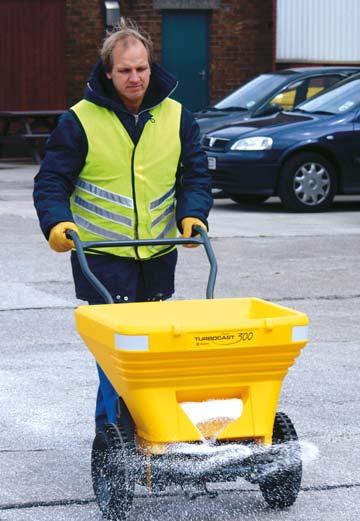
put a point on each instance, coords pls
(253, 143)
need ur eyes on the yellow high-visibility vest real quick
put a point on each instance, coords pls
(126, 191)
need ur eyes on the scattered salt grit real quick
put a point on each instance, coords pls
(309, 451)
(207, 449)
(212, 416)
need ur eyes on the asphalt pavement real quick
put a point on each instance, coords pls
(48, 378)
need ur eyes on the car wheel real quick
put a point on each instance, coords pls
(307, 183)
(248, 199)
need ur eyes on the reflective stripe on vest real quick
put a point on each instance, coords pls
(125, 191)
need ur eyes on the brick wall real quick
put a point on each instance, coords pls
(147, 18)
(84, 34)
(240, 40)
(240, 44)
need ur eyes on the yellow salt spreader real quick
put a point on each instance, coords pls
(162, 356)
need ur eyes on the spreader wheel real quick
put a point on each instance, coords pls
(112, 470)
(280, 487)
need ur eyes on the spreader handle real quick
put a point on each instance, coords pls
(82, 246)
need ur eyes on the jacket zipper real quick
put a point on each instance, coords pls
(136, 216)
(136, 117)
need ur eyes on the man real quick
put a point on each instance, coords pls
(124, 163)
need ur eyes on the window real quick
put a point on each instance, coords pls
(303, 90)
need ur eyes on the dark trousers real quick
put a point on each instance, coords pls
(127, 280)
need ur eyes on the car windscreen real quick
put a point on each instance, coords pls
(336, 101)
(252, 92)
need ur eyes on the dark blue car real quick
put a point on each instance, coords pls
(270, 93)
(305, 156)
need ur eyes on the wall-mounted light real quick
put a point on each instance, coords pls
(111, 9)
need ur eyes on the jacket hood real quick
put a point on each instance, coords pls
(100, 89)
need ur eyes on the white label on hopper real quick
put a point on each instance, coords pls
(132, 342)
(300, 333)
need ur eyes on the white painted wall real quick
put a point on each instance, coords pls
(325, 31)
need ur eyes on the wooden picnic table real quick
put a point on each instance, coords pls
(29, 127)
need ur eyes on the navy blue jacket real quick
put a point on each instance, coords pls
(67, 148)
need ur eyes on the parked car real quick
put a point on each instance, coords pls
(270, 93)
(305, 156)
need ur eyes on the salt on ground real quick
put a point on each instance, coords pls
(211, 417)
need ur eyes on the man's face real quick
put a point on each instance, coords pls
(130, 73)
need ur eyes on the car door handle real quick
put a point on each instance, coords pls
(202, 74)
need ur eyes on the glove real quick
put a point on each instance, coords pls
(57, 238)
(187, 224)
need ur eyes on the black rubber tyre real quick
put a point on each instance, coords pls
(281, 487)
(113, 471)
(307, 183)
(248, 199)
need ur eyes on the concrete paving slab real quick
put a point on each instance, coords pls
(27, 329)
(32, 476)
(16, 295)
(270, 219)
(50, 390)
(314, 505)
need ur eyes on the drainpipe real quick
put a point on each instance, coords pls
(274, 19)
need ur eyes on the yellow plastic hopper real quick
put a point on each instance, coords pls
(160, 354)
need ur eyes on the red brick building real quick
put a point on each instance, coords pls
(49, 46)
(239, 38)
